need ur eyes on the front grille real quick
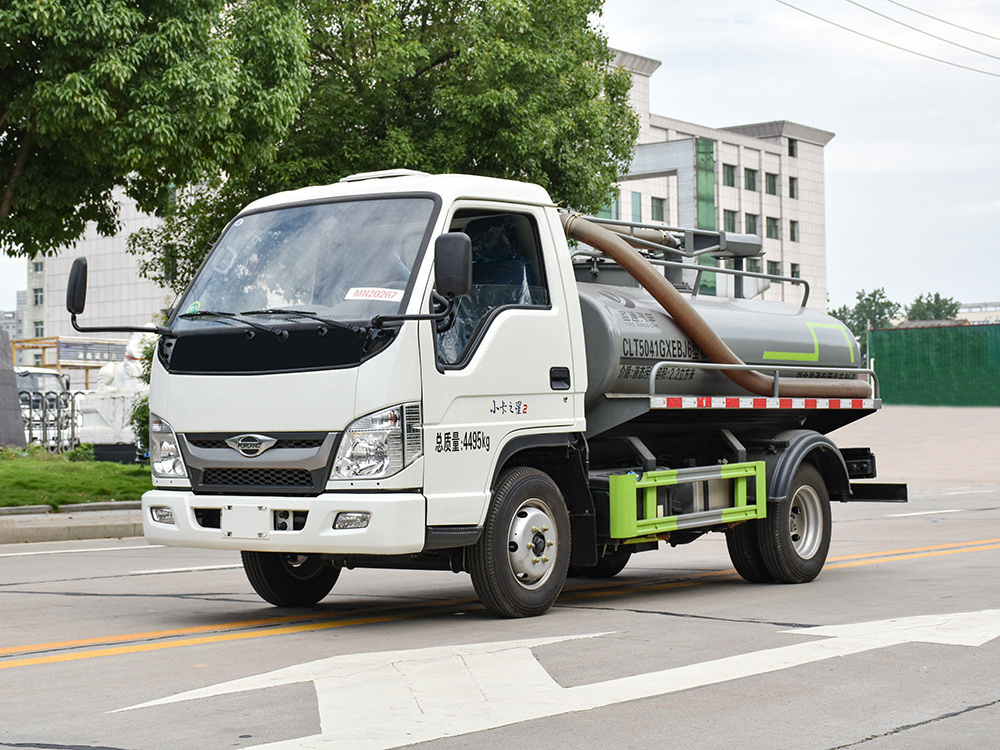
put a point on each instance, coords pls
(294, 443)
(240, 477)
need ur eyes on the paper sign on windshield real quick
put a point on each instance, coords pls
(374, 293)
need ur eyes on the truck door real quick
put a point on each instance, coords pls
(504, 369)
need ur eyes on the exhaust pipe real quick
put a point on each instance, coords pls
(695, 326)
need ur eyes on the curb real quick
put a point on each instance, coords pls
(18, 528)
(115, 505)
(19, 510)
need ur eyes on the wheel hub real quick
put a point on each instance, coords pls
(805, 522)
(532, 543)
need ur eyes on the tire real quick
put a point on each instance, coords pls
(744, 551)
(609, 565)
(519, 564)
(287, 579)
(795, 537)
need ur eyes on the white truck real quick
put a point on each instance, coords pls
(419, 371)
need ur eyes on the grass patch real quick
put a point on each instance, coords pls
(35, 477)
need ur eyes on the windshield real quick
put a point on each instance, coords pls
(348, 261)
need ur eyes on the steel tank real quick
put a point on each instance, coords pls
(628, 332)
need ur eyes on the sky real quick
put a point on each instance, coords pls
(913, 174)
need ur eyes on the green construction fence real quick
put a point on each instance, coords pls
(955, 366)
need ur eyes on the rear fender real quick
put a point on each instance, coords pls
(804, 446)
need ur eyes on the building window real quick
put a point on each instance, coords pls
(750, 179)
(637, 207)
(793, 147)
(39, 296)
(657, 209)
(793, 231)
(774, 267)
(610, 211)
(773, 228)
(729, 221)
(729, 175)
(39, 329)
(39, 360)
(793, 187)
(37, 267)
(750, 221)
(753, 265)
(770, 183)
(796, 271)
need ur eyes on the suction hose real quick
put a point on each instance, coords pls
(695, 326)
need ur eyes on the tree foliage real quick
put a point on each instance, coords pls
(873, 310)
(520, 89)
(936, 307)
(145, 95)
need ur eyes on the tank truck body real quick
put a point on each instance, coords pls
(414, 371)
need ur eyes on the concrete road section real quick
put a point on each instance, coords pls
(930, 444)
(119, 645)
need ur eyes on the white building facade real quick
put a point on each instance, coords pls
(116, 294)
(765, 179)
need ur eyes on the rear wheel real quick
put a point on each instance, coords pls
(795, 536)
(519, 564)
(610, 564)
(288, 579)
(744, 551)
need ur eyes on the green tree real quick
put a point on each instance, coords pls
(520, 89)
(145, 95)
(873, 310)
(933, 308)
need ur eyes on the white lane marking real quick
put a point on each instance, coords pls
(970, 492)
(74, 551)
(924, 513)
(394, 698)
(182, 570)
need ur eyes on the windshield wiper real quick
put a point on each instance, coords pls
(354, 328)
(281, 333)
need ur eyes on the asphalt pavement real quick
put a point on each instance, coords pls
(926, 444)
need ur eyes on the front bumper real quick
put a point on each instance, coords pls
(397, 522)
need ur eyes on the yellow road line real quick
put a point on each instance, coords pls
(221, 637)
(890, 553)
(268, 622)
(155, 634)
(313, 622)
(896, 557)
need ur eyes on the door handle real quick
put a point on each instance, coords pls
(559, 378)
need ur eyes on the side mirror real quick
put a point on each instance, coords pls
(453, 264)
(76, 289)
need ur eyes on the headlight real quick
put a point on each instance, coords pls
(380, 444)
(164, 452)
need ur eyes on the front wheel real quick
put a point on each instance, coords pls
(289, 580)
(795, 536)
(519, 564)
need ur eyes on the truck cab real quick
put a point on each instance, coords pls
(289, 416)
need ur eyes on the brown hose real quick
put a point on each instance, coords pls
(691, 322)
(656, 236)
